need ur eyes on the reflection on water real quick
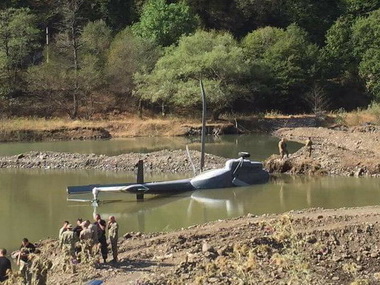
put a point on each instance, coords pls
(33, 203)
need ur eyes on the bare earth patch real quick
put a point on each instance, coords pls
(314, 246)
(346, 151)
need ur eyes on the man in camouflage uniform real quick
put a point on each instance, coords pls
(86, 237)
(113, 234)
(282, 148)
(68, 240)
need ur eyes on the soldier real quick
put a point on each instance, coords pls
(282, 147)
(68, 240)
(87, 238)
(64, 228)
(113, 234)
(309, 145)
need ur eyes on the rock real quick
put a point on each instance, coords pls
(359, 172)
(127, 236)
(207, 248)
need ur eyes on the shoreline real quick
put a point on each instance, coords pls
(322, 246)
(344, 152)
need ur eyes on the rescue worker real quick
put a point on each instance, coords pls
(282, 147)
(113, 234)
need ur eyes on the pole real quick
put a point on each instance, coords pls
(140, 178)
(47, 44)
(203, 125)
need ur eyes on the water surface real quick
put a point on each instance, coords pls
(33, 202)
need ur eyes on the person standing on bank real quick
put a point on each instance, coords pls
(68, 241)
(5, 265)
(283, 148)
(309, 145)
(101, 229)
(113, 234)
(26, 248)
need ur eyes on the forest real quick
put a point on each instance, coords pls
(79, 58)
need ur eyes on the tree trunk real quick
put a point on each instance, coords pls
(139, 108)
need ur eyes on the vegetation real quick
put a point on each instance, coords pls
(77, 58)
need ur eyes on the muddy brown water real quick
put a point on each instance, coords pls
(33, 202)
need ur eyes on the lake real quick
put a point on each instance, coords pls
(33, 202)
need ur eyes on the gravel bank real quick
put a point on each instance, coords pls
(168, 161)
(343, 151)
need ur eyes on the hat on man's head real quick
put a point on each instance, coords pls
(69, 226)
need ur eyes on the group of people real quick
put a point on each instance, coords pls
(90, 238)
(86, 237)
(283, 148)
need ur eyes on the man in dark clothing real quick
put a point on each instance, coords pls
(77, 231)
(78, 227)
(101, 228)
(5, 265)
(26, 248)
(23, 261)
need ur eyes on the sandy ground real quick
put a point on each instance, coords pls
(315, 246)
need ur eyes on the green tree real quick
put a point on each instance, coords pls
(359, 7)
(366, 46)
(338, 52)
(213, 57)
(315, 17)
(288, 61)
(18, 42)
(165, 23)
(369, 70)
(128, 55)
(58, 79)
(119, 13)
(95, 41)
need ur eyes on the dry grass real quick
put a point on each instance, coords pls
(359, 117)
(118, 127)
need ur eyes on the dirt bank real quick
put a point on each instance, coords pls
(336, 151)
(314, 246)
(169, 161)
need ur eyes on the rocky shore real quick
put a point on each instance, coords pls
(314, 246)
(169, 161)
(336, 151)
